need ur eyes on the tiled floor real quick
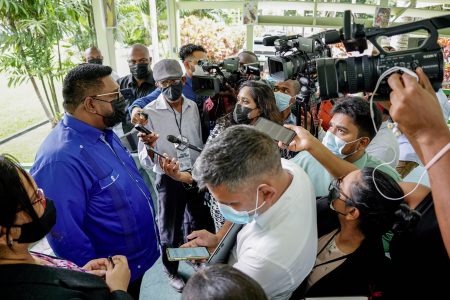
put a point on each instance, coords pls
(155, 285)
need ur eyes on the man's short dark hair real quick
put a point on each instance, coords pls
(358, 110)
(187, 50)
(238, 156)
(249, 53)
(82, 81)
(222, 282)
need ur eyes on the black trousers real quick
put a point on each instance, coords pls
(173, 201)
(134, 288)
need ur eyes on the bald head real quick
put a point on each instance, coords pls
(139, 49)
(93, 55)
(139, 62)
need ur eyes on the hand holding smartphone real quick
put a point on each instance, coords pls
(142, 129)
(196, 253)
(275, 130)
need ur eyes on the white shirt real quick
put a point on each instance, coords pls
(279, 248)
(384, 146)
(407, 152)
(162, 119)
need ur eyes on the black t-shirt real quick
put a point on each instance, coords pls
(146, 88)
(420, 264)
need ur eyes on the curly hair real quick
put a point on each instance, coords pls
(187, 50)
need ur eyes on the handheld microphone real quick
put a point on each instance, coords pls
(175, 140)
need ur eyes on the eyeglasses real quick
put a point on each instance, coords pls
(335, 192)
(166, 83)
(39, 196)
(118, 93)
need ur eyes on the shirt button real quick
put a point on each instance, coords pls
(81, 146)
(139, 266)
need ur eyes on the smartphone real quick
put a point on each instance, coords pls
(275, 130)
(142, 129)
(176, 254)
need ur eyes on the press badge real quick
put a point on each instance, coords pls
(183, 154)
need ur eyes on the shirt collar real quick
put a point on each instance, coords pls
(91, 133)
(131, 81)
(188, 80)
(360, 163)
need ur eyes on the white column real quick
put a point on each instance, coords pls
(105, 37)
(154, 30)
(174, 33)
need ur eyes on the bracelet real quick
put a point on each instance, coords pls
(437, 156)
(189, 186)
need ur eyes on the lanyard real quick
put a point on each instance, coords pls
(331, 260)
(175, 116)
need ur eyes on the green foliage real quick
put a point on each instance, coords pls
(133, 21)
(32, 34)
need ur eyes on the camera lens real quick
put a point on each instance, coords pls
(360, 74)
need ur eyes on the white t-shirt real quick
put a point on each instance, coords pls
(279, 248)
(384, 146)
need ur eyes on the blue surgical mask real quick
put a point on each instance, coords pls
(336, 144)
(282, 101)
(240, 217)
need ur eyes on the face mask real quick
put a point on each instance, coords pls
(139, 71)
(240, 114)
(282, 101)
(118, 114)
(240, 217)
(37, 229)
(336, 144)
(173, 92)
(97, 61)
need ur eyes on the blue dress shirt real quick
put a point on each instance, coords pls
(103, 205)
(188, 92)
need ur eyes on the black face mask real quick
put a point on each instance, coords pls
(97, 61)
(139, 71)
(119, 113)
(173, 92)
(240, 114)
(37, 229)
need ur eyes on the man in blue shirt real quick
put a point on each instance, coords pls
(103, 205)
(189, 54)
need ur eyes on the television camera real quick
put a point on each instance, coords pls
(216, 75)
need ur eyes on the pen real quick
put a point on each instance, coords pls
(111, 261)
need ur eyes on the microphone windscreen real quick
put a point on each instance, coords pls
(268, 40)
(332, 37)
(173, 139)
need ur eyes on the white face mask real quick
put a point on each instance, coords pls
(336, 144)
(240, 217)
